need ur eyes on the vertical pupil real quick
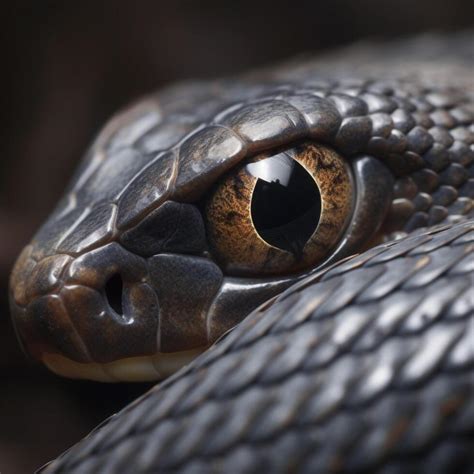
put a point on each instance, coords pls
(286, 203)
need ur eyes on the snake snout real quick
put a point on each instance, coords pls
(95, 309)
(37, 311)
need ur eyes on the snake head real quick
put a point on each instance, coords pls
(125, 280)
(118, 283)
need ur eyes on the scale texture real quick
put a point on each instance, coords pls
(366, 365)
(119, 213)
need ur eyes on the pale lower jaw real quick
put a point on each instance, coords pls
(132, 369)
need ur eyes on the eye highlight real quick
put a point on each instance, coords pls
(286, 203)
(280, 212)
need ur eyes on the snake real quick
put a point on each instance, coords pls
(290, 252)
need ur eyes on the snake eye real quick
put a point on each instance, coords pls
(280, 213)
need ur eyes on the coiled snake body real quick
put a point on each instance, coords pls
(360, 363)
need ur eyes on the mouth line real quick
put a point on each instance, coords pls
(131, 369)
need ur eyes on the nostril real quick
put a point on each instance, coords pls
(113, 293)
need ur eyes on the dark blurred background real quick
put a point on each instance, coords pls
(66, 67)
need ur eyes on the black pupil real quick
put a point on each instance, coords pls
(286, 203)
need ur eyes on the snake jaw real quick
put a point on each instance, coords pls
(130, 369)
(108, 314)
(72, 315)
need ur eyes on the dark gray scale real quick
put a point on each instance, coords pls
(143, 198)
(305, 367)
(360, 367)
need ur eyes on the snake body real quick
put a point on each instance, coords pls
(365, 367)
(360, 364)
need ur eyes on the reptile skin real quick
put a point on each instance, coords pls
(408, 138)
(359, 365)
(363, 367)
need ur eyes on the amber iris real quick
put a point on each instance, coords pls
(286, 203)
(279, 212)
